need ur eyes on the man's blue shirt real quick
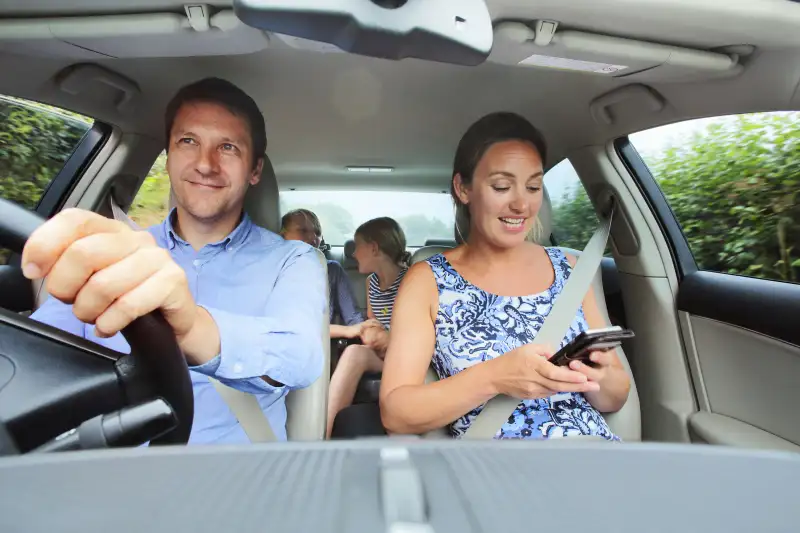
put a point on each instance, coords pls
(267, 297)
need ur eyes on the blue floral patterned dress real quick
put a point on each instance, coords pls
(473, 326)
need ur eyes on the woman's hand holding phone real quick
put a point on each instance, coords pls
(602, 360)
(526, 373)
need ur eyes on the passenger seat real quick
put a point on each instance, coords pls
(627, 421)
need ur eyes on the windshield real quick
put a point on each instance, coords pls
(422, 215)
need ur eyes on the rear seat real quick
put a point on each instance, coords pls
(450, 243)
(369, 386)
(358, 281)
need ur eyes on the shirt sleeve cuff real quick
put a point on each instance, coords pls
(240, 363)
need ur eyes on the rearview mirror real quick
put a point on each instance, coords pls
(449, 31)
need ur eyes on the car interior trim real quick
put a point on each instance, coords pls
(679, 248)
(762, 305)
(83, 155)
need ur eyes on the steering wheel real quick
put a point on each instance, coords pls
(52, 381)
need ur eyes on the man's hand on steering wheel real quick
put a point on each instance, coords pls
(112, 275)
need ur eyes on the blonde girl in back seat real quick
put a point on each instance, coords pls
(380, 252)
(474, 311)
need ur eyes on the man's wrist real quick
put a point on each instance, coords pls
(202, 343)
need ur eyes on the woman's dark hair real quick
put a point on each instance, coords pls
(228, 95)
(388, 235)
(482, 135)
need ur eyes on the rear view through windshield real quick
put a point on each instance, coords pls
(422, 215)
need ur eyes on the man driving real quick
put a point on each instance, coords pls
(245, 305)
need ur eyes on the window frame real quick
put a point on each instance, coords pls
(83, 154)
(56, 193)
(683, 260)
(553, 238)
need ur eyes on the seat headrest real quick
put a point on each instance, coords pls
(441, 242)
(262, 202)
(349, 261)
(349, 248)
(427, 251)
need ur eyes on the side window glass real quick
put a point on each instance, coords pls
(35, 142)
(151, 204)
(574, 219)
(733, 183)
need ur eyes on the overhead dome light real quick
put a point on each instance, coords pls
(372, 170)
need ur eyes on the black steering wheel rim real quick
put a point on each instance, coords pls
(155, 366)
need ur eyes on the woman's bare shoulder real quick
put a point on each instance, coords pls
(419, 274)
(453, 253)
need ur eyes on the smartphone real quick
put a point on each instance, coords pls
(593, 340)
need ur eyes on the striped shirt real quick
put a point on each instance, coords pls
(382, 302)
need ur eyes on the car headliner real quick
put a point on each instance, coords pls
(325, 111)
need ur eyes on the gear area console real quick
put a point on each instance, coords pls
(403, 485)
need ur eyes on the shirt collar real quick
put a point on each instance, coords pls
(234, 238)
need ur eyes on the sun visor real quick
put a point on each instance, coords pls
(197, 32)
(544, 44)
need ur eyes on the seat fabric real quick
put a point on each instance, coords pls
(306, 409)
(358, 281)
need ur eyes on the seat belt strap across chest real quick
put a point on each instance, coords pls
(245, 407)
(497, 410)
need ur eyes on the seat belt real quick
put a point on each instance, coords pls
(497, 410)
(247, 411)
(244, 406)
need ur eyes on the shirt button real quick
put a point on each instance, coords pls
(237, 368)
(197, 262)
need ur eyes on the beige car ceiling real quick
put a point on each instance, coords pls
(327, 110)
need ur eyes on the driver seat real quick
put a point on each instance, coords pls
(626, 423)
(306, 409)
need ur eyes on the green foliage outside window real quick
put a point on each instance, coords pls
(733, 187)
(151, 204)
(35, 142)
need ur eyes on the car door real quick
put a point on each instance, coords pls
(725, 193)
(43, 150)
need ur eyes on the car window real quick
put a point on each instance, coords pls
(422, 215)
(574, 218)
(733, 185)
(35, 142)
(151, 204)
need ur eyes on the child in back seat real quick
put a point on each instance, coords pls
(380, 252)
(303, 225)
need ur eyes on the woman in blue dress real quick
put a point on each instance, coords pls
(474, 311)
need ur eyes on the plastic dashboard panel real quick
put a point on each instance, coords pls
(403, 486)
